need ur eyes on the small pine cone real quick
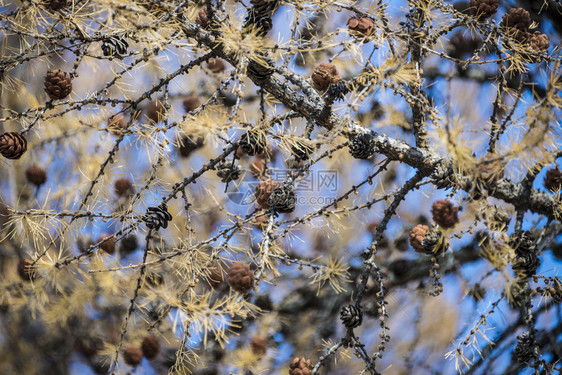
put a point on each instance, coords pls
(264, 6)
(187, 145)
(114, 46)
(156, 111)
(215, 276)
(58, 84)
(300, 366)
(337, 91)
(257, 167)
(36, 175)
(123, 186)
(258, 345)
(202, 19)
(132, 355)
(444, 213)
(483, 9)
(150, 347)
(491, 169)
(517, 22)
(88, 346)
(553, 179)
(433, 242)
(128, 244)
(240, 277)
(461, 45)
(109, 245)
(216, 65)
(282, 199)
(117, 123)
(417, 234)
(523, 243)
(526, 348)
(362, 146)
(302, 149)
(228, 172)
(157, 217)
(324, 75)
(260, 69)
(191, 103)
(26, 270)
(253, 143)
(263, 301)
(525, 265)
(55, 5)
(12, 145)
(263, 192)
(538, 42)
(361, 26)
(351, 316)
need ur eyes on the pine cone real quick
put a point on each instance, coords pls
(526, 348)
(553, 179)
(444, 213)
(361, 26)
(187, 145)
(26, 270)
(253, 143)
(88, 346)
(517, 22)
(460, 45)
(202, 19)
(228, 172)
(114, 46)
(263, 192)
(55, 5)
(12, 145)
(525, 265)
(123, 186)
(302, 150)
(260, 16)
(538, 42)
(157, 217)
(191, 103)
(257, 167)
(261, 69)
(156, 111)
(483, 9)
(216, 65)
(108, 245)
(324, 75)
(128, 244)
(117, 123)
(258, 345)
(362, 146)
(282, 199)
(58, 84)
(300, 366)
(417, 234)
(132, 355)
(240, 277)
(263, 301)
(351, 316)
(36, 175)
(150, 347)
(337, 91)
(491, 169)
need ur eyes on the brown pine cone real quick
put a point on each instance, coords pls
(132, 355)
(150, 347)
(58, 84)
(444, 213)
(187, 145)
(324, 75)
(88, 346)
(191, 103)
(264, 190)
(240, 277)
(26, 270)
(215, 276)
(258, 345)
(123, 186)
(517, 21)
(491, 168)
(12, 145)
(117, 123)
(109, 245)
(538, 42)
(202, 19)
(417, 234)
(483, 9)
(300, 366)
(553, 179)
(36, 175)
(256, 167)
(361, 26)
(216, 65)
(156, 111)
(55, 5)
